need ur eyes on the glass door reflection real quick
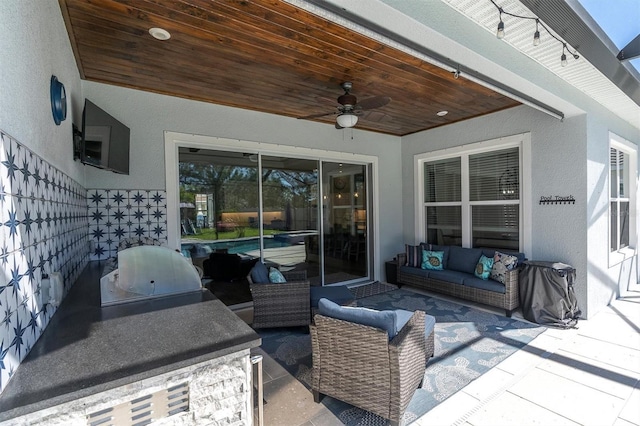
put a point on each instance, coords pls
(290, 213)
(345, 222)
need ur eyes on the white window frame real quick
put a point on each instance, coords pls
(620, 144)
(522, 141)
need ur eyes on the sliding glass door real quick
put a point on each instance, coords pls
(289, 213)
(236, 208)
(344, 206)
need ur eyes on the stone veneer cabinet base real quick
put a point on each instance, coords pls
(219, 393)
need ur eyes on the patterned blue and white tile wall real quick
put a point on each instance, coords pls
(43, 229)
(116, 214)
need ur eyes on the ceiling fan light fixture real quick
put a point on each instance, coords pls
(347, 120)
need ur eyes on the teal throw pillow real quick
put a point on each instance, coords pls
(483, 268)
(432, 260)
(276, 276)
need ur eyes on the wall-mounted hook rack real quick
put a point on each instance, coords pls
(557, 199)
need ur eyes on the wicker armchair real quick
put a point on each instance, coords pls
(281, 304)
(358, 364)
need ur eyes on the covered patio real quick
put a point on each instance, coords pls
(583, 376)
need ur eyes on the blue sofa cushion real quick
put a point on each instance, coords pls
(259, 273)
(385, 320)
(424, 273)
(339, 294)
(432, 260)
(463, 259)
(450, 276)
(445, 249)
(483, 268)
(405, 316)
(490, 285)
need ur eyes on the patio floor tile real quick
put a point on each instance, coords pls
(507, 410)
(631, 410)
(288, 402)
(448, 411)
(606, 352)
(567, 398)
(487, 384)
(595, 374)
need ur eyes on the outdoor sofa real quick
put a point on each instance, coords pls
(458, 273)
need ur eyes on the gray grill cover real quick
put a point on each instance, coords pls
(546, 293)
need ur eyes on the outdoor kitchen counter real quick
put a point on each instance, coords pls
(87, 349)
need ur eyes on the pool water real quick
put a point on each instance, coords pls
(233, 246)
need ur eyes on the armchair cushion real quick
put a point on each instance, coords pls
(385, 320)
(259, 273)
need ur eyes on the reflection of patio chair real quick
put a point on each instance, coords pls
(357, 247)
(278, 224)
(223, 266)
(187, 227)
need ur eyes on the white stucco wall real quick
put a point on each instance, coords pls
(568, 158)
(607, 278)
(34, 45)
(148, 115)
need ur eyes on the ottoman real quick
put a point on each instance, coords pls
(338, 294)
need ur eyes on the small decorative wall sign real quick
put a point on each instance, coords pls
(557, 199)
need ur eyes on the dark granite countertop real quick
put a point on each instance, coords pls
(87, 349)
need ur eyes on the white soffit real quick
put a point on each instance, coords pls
(579, 73)
(443, 26)
(404, 25)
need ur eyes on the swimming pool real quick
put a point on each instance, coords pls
(243, 245)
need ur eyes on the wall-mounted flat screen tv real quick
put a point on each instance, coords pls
(105, 140)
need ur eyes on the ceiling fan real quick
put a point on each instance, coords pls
(349, 108)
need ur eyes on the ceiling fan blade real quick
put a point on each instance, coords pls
(375, 102)
(316, 115)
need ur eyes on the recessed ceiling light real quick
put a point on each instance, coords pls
(159, 33)
(442, 113)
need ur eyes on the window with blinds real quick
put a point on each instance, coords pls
(490, 215)
(443, 197)
(494, 175)
(442, 180)
(619, 199)
(494, 193)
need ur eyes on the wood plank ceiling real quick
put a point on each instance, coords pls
(265, 55)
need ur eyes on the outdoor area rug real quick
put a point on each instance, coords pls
(468, 343)
(371, 289)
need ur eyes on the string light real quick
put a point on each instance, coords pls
(536, 36)
(500, 32)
